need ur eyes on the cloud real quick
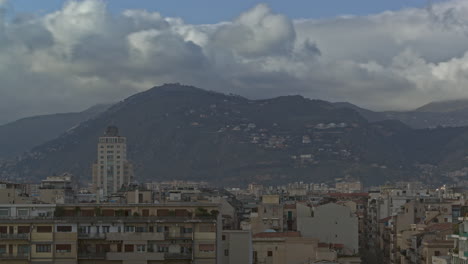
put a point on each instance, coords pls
(82, 54)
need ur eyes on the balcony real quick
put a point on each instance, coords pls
(14, 256)
(137, 236)
(92, 255)
(172, 256)
(178, 235)
(23, 236)
(143, 256)
(91, 235)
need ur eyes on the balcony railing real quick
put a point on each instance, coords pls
(14, 256)
(177, 235)
(168, 255)
(92, 255)
(14, 236)
(92, 235)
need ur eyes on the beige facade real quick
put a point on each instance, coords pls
(333, 224)
(57, 189)
(280, 248)
(11, 193)
(112, 170)
(106, 234)
(236, 247)
(268, 215)
(139, 196)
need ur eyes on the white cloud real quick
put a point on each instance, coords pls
(82, 54)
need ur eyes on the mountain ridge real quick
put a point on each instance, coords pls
(182, 132)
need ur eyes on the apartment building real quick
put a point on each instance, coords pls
(57, 189)
(268, 215)
(13, 193)
(236, 247)
(111, 170)
(105, 233)
(288, 247)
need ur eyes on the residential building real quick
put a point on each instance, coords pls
(268, 215)
(58, 189)
(288, 247)
(13, 193)
(114, 234)
(236, 247)
(330, 223)
(112, 170)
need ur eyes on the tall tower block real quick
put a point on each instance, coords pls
(111, 170)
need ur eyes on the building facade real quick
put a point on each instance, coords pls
(111, 170)
(142, 234)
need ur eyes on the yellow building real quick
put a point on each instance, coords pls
(94, 234)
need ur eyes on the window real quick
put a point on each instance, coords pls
(3, 229)
(129, 229)
(141, 248)
(162, 248)
(44, 229)
(83, 229)
(224, 237)
(128, 248)
(2, 249)
(23, 212)
(105, 229)
(64, 228)
(226, 252)
(140, 229)
(4, 212)
(63, 248)
(42, 248)
(23, 229)
(270, 253)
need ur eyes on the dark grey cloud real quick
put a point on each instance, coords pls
(82, 55)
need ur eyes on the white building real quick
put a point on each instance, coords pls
(112, 170)
(330, 223)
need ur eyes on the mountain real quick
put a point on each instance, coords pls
(435, 114)
(186, 133)
(368, 114)
(182, 132)
(22, 135)
(444, 106)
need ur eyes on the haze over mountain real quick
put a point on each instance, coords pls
(182, 132)
(22, 135)
(453, 113)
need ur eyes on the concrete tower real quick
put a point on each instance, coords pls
(112, 170)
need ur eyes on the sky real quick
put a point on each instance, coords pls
(214, 11)
(61, 56)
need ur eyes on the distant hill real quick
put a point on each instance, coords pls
(445, 106)
(22, 135)
(186, 133)
(444, 114)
